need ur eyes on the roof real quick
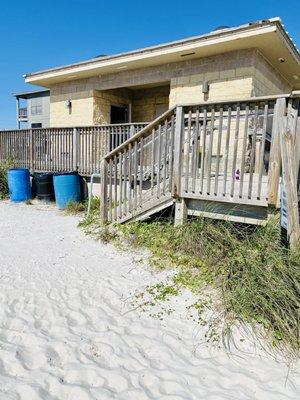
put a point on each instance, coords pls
(269, 36)
(25, 95)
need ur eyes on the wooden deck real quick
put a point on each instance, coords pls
(150, 201)
(220, 160)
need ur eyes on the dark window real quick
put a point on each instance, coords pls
(36, 125)
(118, 114)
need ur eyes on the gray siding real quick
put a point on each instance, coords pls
(38, 109)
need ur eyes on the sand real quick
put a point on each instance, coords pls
(68, 330)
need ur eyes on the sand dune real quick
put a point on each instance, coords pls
(67, 331)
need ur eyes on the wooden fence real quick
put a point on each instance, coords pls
(63, 149)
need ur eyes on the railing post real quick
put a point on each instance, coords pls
(177, 162)
(31, 151)
(132, 130)
(297, 143)
(289, 174)
(181, 211)
(275, 151)
(75, 149)
(103, 191)
(108, 140)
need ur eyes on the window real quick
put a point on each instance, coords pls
(36, 125)
(36, 106)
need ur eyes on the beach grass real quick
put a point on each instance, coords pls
(256, 278)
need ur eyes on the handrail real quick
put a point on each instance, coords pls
(123, 124)
(140, 133)
(206, 103)
(77, 127)
(240, 100)
(168, 112)
(60, 149)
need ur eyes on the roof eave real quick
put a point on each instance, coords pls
(171, 48)
(31, 92)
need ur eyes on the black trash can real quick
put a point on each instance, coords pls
(42, 186)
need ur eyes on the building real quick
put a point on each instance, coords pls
(220, 103)
(33, 108)
(228, 63)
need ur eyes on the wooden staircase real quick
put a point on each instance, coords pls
(214, 159)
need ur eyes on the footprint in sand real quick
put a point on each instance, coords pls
(31, 359)
(75, 318)
(53, 358)
(87, 377)
(101, 353)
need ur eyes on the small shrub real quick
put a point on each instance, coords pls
(74, 208)
(93, 217)
(4, 166)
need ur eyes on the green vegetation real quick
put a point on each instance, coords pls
(255, 280)
(4, 166)
(75, 208)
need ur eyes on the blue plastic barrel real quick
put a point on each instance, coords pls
(19, 184)
(67, 189)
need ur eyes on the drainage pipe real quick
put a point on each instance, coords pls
(91, 192)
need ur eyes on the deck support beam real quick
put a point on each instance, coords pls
(288, 137)
(181, 212)
(275, 153)
(177, 163)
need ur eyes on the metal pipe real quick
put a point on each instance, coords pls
(91, 192)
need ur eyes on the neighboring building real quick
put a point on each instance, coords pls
(255, 59)
(35, 113)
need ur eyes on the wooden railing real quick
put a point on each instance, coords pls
(139, 171)
(63, 149)
(223, 152)
(226, 151)
(22, 112)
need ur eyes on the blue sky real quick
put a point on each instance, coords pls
(40, 34)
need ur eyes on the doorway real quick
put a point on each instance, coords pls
(119, 114)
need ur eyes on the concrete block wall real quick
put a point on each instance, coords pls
(149, 103)
(238, 74)
(103, 101)
(80, 113)
(266, 80)
(144, 102)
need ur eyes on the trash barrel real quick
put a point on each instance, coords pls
(19, 184)
(42, 185)
(67, 188)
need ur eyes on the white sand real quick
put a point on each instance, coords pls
(66, 333)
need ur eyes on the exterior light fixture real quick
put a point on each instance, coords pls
(205, 87)
(68, 104)
(280, 59)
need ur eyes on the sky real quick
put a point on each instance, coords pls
(39, 34)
